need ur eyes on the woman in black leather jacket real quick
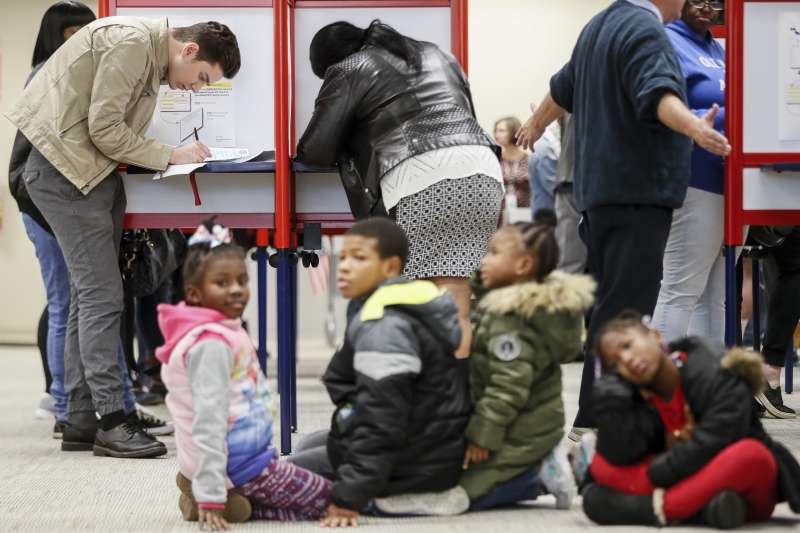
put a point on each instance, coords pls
(396, 115)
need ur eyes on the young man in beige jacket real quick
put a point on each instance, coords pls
(85, 112)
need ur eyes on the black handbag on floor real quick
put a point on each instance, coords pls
(148, 257)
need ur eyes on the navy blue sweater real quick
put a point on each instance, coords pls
(703, 62)
(621, 67)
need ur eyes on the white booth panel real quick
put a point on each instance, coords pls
(254, 85)
(219, 193)
(764, 95)
(425, 24)
(320, 193)
(770, 190)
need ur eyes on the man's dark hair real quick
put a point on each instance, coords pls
(55, 20)
(218, 45)
(392, 240)
(336, 41)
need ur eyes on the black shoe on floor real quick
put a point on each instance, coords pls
(128, 441)
(58, 430)
(726, 510)
(772, 400)
(79, 432)
(154, 425)
(606, 506)
(149, 398)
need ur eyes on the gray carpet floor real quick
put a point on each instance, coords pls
(44, 490)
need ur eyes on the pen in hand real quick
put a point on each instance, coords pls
(196, 138)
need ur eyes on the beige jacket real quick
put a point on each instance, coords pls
(88, 107)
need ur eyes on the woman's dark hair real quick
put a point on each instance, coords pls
(218, 45)
(539, 239)
(199, 256)
(338, 40)
(55, 20)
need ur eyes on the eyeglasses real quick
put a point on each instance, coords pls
(716, 5)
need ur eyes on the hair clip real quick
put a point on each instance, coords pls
(216, 235)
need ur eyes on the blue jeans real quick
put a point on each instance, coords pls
(56, 283)
(524, 487)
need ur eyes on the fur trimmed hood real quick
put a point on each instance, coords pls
(560, 292)
(746, 364)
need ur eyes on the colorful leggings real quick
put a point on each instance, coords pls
(746, 467)
(287, 492)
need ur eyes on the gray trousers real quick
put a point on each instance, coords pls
(311, 453)
(88, 229)
(573, 255)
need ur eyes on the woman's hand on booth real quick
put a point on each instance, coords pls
(707, 137)
(195, 152)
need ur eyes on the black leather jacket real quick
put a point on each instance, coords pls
(375, 111)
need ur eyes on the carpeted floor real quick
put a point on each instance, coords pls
(45, 490)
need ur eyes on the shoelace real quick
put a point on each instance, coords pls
(147, 420)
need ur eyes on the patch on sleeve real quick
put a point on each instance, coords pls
(507, 347)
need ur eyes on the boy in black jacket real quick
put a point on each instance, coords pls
(678, 435)
(402, 400)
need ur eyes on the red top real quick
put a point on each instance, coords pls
(673, 413)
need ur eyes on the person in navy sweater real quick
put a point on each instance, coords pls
(633, 132)
(692, 296)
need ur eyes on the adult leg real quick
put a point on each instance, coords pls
(287, 492)
(626, 248)
(708, 319)
(572, 249)
(41, 344)
(460, 291)
(693, 247)
(56, 281)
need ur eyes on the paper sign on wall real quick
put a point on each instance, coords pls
(789, 72)
(210, 111)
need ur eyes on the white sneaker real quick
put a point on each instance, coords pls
(557, 478)
(46, 408)
(448, 503)
(582, 455)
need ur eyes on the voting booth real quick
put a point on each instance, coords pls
(762, 122)
(264, 109)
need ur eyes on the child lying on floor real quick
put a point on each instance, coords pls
(679, 437)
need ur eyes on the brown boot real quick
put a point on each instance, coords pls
(237, 507)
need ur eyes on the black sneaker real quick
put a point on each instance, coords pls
(58, 430)
(147, 397)
(79, 432)
(154, 425)
(608, 507)
(726, 510)
(128, 441)
(772, 400)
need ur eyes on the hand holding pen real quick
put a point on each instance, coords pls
(195, 152)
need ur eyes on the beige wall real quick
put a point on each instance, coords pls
(515, 46)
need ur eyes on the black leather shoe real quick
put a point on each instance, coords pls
(79, 432)
(127, 440)
(726, 510)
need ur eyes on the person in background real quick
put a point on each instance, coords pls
(59, 23)
(399, 112)
(692, 296)
(573, 258)
(633, 132)
(514, 163)
(542, 168)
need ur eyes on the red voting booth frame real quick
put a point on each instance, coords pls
(282, 228)
(736, 217)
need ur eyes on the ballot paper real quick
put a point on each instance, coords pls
(227, 154)
(232, 155)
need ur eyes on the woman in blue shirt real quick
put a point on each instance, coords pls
(692, 296)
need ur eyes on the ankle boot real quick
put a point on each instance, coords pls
(607, 506)
(237, 507)
(726, 510)
(79, 432)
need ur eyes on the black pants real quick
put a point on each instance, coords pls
(784, 301)
(626, 253)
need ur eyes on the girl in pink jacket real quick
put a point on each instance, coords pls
(218, 397)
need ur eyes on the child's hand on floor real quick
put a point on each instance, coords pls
(475, 454)
(339, 517)
(211, 520)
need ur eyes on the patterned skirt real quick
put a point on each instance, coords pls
(449, 226)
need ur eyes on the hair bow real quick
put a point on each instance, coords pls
(213, 234)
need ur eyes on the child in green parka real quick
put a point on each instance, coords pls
(529, 320)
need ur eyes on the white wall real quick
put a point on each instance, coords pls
(515, 46)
